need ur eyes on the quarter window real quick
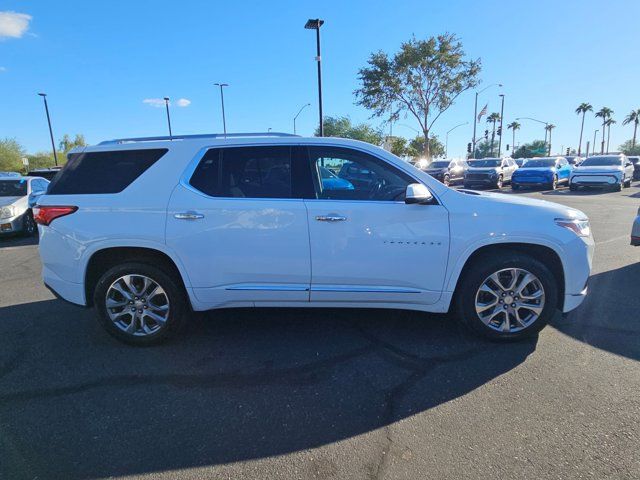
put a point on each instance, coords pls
(245, 172)
(345, 174)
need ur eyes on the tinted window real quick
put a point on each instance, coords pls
(359, 176)
(103, 172)
(247, 172)
(540, 162)
(440, 164)
(491, 162)
(13, 188)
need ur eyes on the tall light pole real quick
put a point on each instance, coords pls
(501, 119)
(224, 120)
(446, 142)
(594, 139)
(53, 144)
(299, 111)
(166, 104)
(539, 121)
(315, 24)
(475, 115)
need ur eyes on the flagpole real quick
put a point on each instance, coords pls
(475, 114)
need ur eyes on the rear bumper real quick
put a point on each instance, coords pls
(71, 292)
(572, 302)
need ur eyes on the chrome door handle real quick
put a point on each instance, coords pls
(188, 216)
(331, 218)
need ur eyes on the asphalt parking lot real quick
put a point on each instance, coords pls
(327, 393)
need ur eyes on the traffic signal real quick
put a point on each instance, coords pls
(499, 131)
(468, 147)
(507, 147)
(486, 134)
(568, 150)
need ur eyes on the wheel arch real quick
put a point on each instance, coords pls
(544, 253)
(103, 259)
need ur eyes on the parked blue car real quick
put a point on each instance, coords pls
(330, 181)
(547, 172)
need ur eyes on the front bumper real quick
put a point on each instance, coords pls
(531, 182)
(485, 181)
(601, 180)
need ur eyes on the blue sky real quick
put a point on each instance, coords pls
(98, 61)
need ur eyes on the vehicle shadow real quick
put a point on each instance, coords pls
(237, 385)
(608, 318)
(17, 241)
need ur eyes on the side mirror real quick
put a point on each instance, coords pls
(417, 193)
(33, 198)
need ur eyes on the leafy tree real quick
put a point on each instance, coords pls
(485, 149)
(537, 148)
(44, 159)
(423, 79)
(398, 145)
(583, 108)
(513, 126)
(417, 147)
(11, 155)
(67, 143)
(343, 128)
(604, 113)
(633, 117)
(493, 118)
(630, 148)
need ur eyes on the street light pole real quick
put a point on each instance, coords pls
(294, 118)
(446, 142)
(475, 116)
(539, 121)
(166, 104)
(315, 24)
(501, 119)
(53, 144)
(224, 119)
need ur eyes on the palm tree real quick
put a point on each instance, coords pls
(548, 128)
(583, 108)
(513, 126)
(634, 117)
(604, 113)
(494, 117)
(608, 123)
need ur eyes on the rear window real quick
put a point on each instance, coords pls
(103, 172)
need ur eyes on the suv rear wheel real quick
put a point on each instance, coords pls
(499, 182)
(139, 304)
(507, 296)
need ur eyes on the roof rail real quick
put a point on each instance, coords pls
(198, 136)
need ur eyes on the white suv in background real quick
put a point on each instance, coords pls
(145, 230)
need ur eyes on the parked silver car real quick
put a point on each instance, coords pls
(17, 196)
(489, 172)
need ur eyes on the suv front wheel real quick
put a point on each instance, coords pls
(507, 296)
(139, 304)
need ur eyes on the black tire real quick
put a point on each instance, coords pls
(172, 287)
(573, 187)
(515, 186)
(618, 187)
(446, 181)
(476, 273)
(554, 183)
(29, 227)
(627, 184)
(500, 182)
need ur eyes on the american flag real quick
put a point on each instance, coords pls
(482, 112)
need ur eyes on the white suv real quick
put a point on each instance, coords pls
(146, 230)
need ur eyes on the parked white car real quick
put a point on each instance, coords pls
(17, 195)
(614, 171)
(144, 230)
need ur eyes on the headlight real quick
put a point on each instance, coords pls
(7, 212)
(578, 226)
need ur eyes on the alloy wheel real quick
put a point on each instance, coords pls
(510, 300)
(137, 305)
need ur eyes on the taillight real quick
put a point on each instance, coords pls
(44, 214)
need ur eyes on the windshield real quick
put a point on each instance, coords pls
(490, 162)
(601, 162)
(540, 162)
(13, 188)
(439, 165)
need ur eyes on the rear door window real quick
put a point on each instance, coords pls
(252, 172)
(103, 172)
